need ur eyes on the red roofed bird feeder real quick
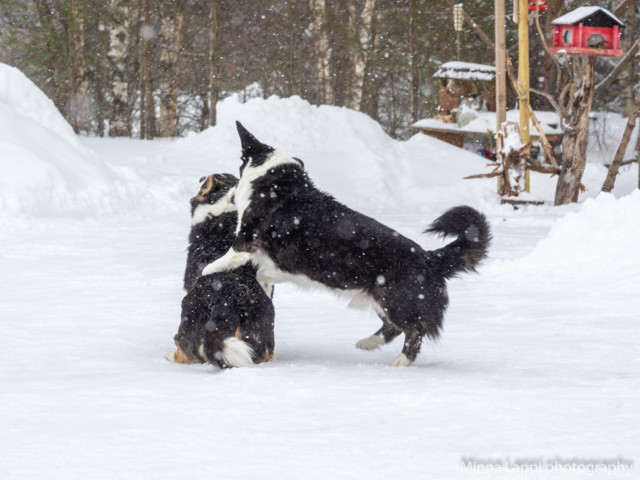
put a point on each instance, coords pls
(540, 5)
(587, 31)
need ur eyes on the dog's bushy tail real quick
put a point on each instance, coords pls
(471, 245)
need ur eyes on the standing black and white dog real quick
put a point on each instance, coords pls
(294, 232)
(227, 318)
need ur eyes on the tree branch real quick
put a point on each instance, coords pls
(538, 167)
(484, 175)
(617, 69)
(609, 182)
(553, 103)
(623, 7)
(546, 48)
(563, 94)
(610, 95)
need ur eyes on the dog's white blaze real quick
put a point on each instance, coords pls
(203, 211)
(228, 261)
(268, 272)
(401, 361)
(237, 353)
(371, 343)
(244, 188)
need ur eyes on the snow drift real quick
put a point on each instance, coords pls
(44, 167)
(591, 248)
(346, 152)
(47, 171)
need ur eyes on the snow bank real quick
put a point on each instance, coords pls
(23, 97)
(45, 169)
(598, 241)
(48, 171)
(346, 152)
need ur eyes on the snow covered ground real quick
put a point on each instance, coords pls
(539, 361)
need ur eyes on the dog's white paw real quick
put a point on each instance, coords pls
(237, 353)
(228, 261)
(211, 268)
(370, 343)
(401, 361)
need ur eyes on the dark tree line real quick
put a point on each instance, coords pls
(156, 68)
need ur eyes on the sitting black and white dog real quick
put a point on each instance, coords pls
(214, 219)
(294, 232)
(227, 318)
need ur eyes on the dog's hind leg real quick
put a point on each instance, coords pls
(410, 350)
(387, 333)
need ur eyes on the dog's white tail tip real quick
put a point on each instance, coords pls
(237, 353)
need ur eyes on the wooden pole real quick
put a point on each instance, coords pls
(501, 79)
(523, 77)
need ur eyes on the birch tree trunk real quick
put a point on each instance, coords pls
(147, 104)
(321, 47)
(361, 26)
(171, 35)
(78, 111)
(574, 142)
(119, 120)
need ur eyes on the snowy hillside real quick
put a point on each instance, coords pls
(539, 358)
(44, 167)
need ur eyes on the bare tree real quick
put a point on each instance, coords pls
(576, 127)
(321, 48)
(171, 37)
(78, 111)
(622, 147)
(147, 105)
(360, 25)
(119, 119)
(413, 56)
(213, 70)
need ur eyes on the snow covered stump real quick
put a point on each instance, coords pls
(512, 153)
(511, 165)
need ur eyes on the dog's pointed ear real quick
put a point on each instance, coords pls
(251, 146)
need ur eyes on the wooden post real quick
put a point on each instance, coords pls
(501, 79)
(523, 77)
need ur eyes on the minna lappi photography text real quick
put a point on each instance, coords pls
(588, 466)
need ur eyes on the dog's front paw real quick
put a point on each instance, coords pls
(370, 343)
(401, 361)
(228, 261)
(211, 268)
